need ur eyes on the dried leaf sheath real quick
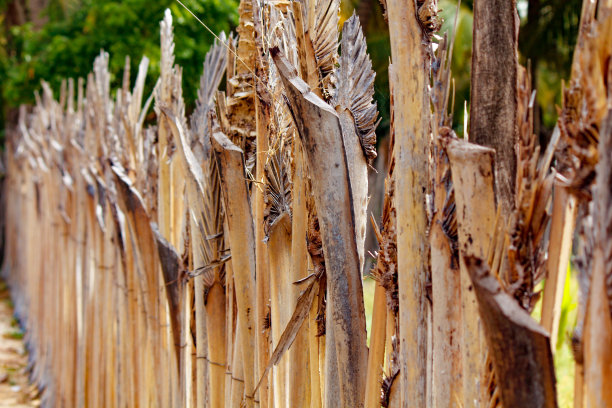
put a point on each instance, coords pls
(325, 156)
(206, 221)
(277, 227)
(358, 120)
(241, 235)
(446, 286)
(509, 328)
(472, 174)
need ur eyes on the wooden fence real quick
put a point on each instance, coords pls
(218, 261)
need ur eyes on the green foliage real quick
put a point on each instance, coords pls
(462, 56)
(564, 359)
(547, 39)
(73, 36)
(549, 33)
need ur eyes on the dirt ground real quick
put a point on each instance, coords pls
(15, 389)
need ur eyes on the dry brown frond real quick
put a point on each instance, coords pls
(428, 16)
(385, 271)
(355, 88)
(530, 218)
(215, 64)
(325, 42)
(584, 107)
(277, 196)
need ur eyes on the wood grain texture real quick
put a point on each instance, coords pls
(518, 344)
(493, 104)
(242, 240)
(320, 132)
(411, 125)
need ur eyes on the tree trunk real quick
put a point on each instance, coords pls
(493, 111)
(411, 124)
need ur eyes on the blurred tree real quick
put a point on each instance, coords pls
(76, 30)
(547, 39)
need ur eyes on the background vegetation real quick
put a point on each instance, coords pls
(55, 39)
(61, 38)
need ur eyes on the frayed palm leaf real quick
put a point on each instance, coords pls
(530, 219)
(584, 107)
(386, 271)
(355, 88)
(325, 40)
(277, 196)
(428, 18)
(215, 64)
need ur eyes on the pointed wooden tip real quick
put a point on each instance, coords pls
(287, 72)
(487, 285)
(221, 142)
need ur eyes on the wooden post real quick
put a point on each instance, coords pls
(319, 129)
(494, 90)
(242, 240)
(411, 124)
(559, 251)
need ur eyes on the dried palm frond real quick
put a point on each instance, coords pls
(530, 219)
(282, 34)
(215, 64)
(277, 196)
(325, 41)
(386, 270)
(210, 219)
(355, 88)
(167, 57)
(204, 190)
(146, 177)
(109, 141)
(169, 93)
(584, 107)
(427, 13)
